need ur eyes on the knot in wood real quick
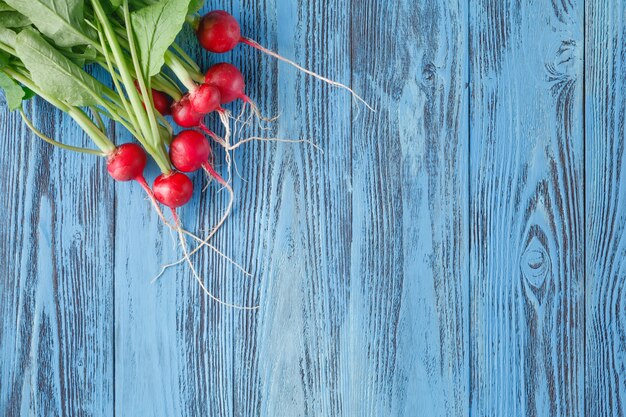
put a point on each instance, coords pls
(429, 74)
(535, 263)
(564, 67)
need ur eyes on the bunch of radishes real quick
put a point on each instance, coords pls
(190, 151)
(45, 47)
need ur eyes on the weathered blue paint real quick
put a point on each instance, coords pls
(605, 181)
(56, 274)
(527, 208)
(430, 262)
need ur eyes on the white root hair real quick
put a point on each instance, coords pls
(271, 53)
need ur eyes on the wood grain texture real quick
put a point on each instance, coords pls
(458, 252)
(410, 282)
(527, 224)
(606, 208)
(56, 287)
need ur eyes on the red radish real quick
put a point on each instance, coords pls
(127, 163)
(190, 151)
(205, 99)
(173, 190)
(219, 32)
(229, 80)
(184, 115)
(162, 102)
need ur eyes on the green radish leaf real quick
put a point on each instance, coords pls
(194, 5)
(140, 4)
(156, 28)
(5, 7)
(13, 92)
(80, 55)
(60, 20)
(7, 37)
(111, 5)
(28, 94)
(12, 19)
(4, 59)
(54, 73)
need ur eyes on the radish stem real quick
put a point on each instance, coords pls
(140, 78)
(181, 72)
(53, 142)
(135, 100)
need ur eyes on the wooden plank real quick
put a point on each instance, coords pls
(605, 180)
(56, 275)
(295, 344)
(219, 361)
(146, 315)
(527, 208)
(407, 330)
(150, 318)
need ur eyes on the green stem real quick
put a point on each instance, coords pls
(54, 142)
(157, 154)
(118, 87)
(123, 36)
(99, 138)
(8, 49)
(180, 51)
(167, 87)
(99, 122)
(128, 127)
(186, 67)
(127, 78)
(166, 133)
(181, 72)
(147, 95)
(96, 135)
(161, 83)
(193, 20)
(162, 160)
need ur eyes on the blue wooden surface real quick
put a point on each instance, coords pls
(527, 209)
(459, 252)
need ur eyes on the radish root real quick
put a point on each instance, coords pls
(225, 117)
(260, 139)
(255, 110)
(205, 241)
(177, 227)
(155, 203)
(269, 52)
(183, 243)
